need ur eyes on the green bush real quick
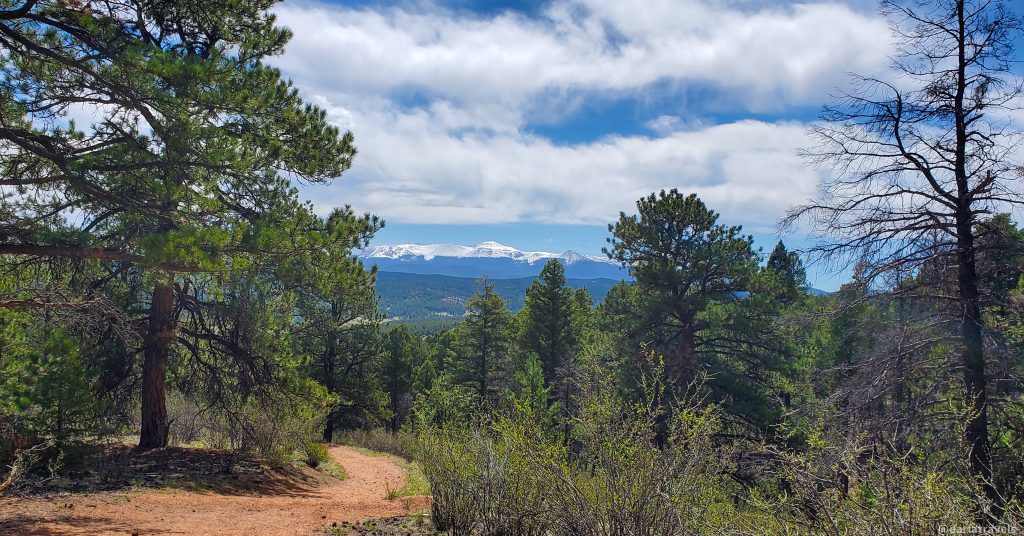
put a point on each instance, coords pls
(316, 454)
(838, 487)
(454, 464)
(45, 381)
(274, 428)
(514, 477)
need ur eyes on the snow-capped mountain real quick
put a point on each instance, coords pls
(489, 250)
(492, 259)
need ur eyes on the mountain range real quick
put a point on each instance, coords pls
(490, 259)
(422, 283)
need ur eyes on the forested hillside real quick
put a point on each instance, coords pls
(167, 291)
(412, 297)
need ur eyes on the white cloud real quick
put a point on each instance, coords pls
(409, 170)
(769, 58)
(441, 102)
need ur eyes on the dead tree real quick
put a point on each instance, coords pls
(918, 162)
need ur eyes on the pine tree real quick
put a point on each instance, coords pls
(531, 398)
(339, 331)
(555, 319)
(187, 166)
(684, 263)
(548, 314)
(699, 302)
(402, 352)
(485, 343)
(787, 266)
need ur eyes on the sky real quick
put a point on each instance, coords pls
(534, 123)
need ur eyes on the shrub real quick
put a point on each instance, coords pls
(840, 487)
(275, 425)
(514, 477)
(451, 462)
(316, 454)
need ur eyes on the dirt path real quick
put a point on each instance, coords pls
(298, 510)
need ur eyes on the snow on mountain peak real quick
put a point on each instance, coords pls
(493, 245)
(487, 249)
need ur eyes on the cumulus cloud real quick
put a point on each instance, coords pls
(767, 58)
(412, 171)
(441, 103)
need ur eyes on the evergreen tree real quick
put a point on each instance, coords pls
(339, 331)
(548, 315)
(555, 321)
(699, 302)
(684, 262)
(402, 351)
(530, 398)
(187, 166)
(787, 266)
(485, 339)
(44, 379)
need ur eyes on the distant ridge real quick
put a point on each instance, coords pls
(412, 297)
(490, 250)
(490, 259)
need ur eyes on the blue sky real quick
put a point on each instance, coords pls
(534, 123)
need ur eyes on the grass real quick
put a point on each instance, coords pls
(415, 481)
(367, 452)
(316, 454)
(334, 469)
(327, 466)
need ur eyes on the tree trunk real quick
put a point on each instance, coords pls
(329, 428)
(156, 348)
(329, 359)
(973, 361)
(682, 371)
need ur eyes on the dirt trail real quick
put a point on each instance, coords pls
(298, 510)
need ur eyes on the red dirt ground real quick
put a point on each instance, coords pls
(289, 508)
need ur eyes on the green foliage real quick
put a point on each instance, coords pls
(483, 344)
(275, 425)
(416, 482)
(196, 132)
(530, 398)
(700, 301)
(547, 329)
(339, 342)
(789, 269)
(400, 444)
(45, 381)
(834, 489)
(445, 403)
(512, 476)
(315, 453)
(432, 300)
(675, 247)
(401, 350)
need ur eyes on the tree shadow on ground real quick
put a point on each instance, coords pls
(29, 525)
(118, 467)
